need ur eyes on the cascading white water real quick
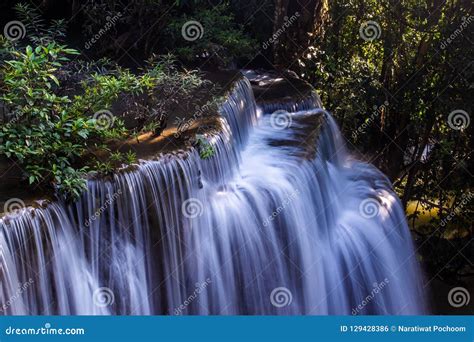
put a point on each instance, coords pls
(277, 222)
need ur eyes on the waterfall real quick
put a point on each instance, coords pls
(281, 220)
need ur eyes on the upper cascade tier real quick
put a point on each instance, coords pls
(281, 220)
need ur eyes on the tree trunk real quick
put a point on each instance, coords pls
(293, 25)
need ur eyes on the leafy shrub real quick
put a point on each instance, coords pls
(159, 30)
(48, 133)
(204, 147)
(59, 110)
(221, 40)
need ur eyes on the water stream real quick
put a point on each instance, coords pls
(282, 220)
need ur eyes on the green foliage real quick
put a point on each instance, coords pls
(220, 39)
(48, 133)
(130, 158)
(159, 29)
(44, 136)
(59, 110)
(38, 32)
(152, 126)
(104, 168)
(171, 88)
(401, 87)
(115, 161)
(204, 147)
